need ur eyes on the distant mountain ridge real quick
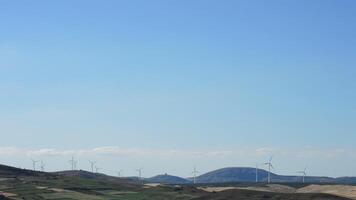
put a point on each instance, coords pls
(224, 175)
(233, 174)
(97, 176)
(248, 174)
(168, 179)
(8, 171)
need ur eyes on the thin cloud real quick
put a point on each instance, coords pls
(139, 152)
(10, 151)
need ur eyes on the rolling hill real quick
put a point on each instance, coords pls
(98, 176)
(233, 174)
(258, 195)
(18, 183)
(168, 179)
(247, 174)
(8, 171)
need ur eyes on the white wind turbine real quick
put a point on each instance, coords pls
(34, 162)
(92, 165)
(42, 166)
(97, 169)
(75, 164)
(303, 174)
(139, 171)
(119, 173)
(72, 162)
(270, 166)
(195, 172)
(257, 169)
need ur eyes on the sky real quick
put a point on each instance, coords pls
(169, 85)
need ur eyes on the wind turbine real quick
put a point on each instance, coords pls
(92, 165)
(139, 171)
(42, 165)
(97, 169)
(257, 172)
(269, 163)
(303, 174)
(119, 173)
(194, 172)
(75, 164)
(72, 162)
(34, 164)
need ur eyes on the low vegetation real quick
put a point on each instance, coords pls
(24, 184)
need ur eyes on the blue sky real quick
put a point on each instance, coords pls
(126, 81)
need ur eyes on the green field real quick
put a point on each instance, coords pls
(61, 187)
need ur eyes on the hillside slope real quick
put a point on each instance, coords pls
(234, 174)
(8, 171)
(97, 176)
(248, 174)
(168, 179)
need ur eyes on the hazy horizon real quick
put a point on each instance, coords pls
(166, 85)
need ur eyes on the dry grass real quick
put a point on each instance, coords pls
(269, 188)
(338, 190)
(216, 189)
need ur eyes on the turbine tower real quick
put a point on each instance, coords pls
(92, 165)
(42, 165)
(72, 162)
(194, 172)
(139, 171)
(97, 169)
(119, 173)
(257, 173)
(269, 163)
(75, 164)
(34, 162)
(303, 174)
